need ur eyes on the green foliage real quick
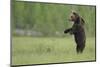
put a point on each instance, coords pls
(49, 19)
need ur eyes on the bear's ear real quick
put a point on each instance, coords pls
(76, 14)
(77, 17)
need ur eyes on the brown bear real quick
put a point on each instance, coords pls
(78, 31)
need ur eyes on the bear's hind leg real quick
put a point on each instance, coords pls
(80, 48)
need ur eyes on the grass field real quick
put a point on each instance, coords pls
(40, 50)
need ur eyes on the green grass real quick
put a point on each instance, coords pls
(39, 50)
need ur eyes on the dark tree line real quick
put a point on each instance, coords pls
(44, 19)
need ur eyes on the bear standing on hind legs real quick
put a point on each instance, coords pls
(78, 31)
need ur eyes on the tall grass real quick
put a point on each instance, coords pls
(40, 50)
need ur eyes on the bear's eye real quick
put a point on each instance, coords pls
(71, 16)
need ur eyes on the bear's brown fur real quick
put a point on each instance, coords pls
(78, 31)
